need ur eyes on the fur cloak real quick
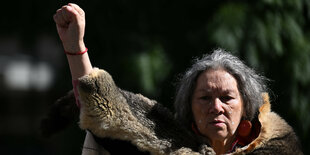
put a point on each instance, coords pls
(109, 113)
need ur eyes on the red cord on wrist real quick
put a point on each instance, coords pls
(78, 53)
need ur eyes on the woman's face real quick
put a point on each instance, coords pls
(217, 105)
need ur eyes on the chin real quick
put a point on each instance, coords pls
(216, 135)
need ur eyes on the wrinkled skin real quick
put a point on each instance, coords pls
(217, 107)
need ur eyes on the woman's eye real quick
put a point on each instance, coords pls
(206, 98)
(226, 98)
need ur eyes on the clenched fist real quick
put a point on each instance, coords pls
(70, 23)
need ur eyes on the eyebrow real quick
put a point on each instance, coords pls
(225, 91)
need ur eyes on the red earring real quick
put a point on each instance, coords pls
(244, 128)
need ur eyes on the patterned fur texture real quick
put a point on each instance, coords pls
(108, 111)
(61, 114)
(276, 136)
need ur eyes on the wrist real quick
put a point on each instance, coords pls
(76, 53)
(80, 65)
(74, 48)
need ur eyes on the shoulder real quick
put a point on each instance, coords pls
(112, 113)
(276, 135)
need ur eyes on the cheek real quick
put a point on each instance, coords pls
(236, 114)
(199, 112)
(199, 116)
(195, 110)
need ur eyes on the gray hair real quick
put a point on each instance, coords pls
(250, 84)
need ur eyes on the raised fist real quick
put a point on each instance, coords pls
(70, 23)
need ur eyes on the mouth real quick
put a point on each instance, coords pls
(218, 123)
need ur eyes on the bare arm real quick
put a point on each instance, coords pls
(70, 23)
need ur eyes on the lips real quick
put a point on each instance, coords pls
(217, 123)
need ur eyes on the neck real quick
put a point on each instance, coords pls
(222, 147)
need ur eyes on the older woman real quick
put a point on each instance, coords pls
(221, 106)
(217, 94)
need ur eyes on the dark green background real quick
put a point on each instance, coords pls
(146, 45)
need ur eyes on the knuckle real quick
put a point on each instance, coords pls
(55, 17)
(58, 11)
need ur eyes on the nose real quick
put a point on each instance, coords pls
(216, 106)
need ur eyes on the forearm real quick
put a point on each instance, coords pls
(70, 23)
(80, 65)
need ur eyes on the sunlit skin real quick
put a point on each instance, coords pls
(217, 108)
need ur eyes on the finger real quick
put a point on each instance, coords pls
(58, 18)
(66, 13)
(71, 13)
(80, 19)
(77, 8)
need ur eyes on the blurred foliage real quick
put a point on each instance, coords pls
(152, 67)
(273, 37)
(145, 45)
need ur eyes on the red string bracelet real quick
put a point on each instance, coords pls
(78, 53)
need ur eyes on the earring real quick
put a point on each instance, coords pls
(244, 128)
